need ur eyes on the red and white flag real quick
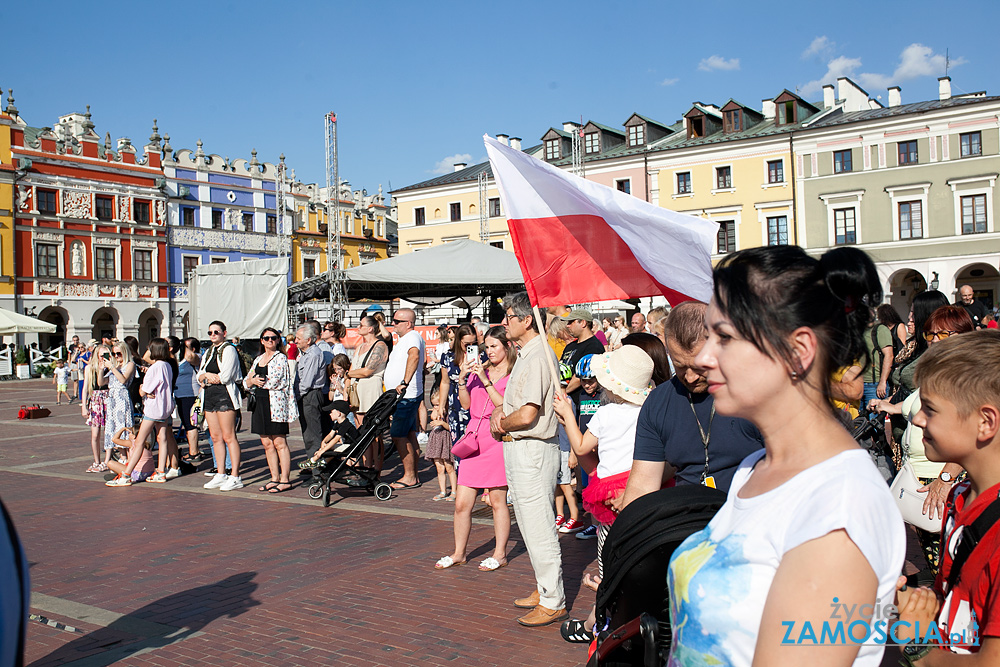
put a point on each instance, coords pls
(578, 241)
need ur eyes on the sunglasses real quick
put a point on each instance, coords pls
(214, 333)
(269, 338)
(938, 335)
(119, 355)
(395, 321)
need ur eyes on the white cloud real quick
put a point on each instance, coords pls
(447, 165)
(718, 62)
(821, 46)
(669, 82)
(915, 61)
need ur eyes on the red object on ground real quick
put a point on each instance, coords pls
(33, 412)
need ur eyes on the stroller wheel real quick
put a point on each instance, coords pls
(383, 491)
(326, 495)
(315, 490)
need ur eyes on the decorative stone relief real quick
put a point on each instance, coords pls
(106, 240)
(125, 208)
(77, 289)
(145, 291)
(233, 219)
(161, 212)
(140, 243)
(23, 198)
(179, 293)
(76, 204)
(48, 287)
(107, 290)
(76, 256)
(47, 236)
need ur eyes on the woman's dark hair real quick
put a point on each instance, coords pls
(769, 292)
(924, 304)
(499, 334)
(370, 321)
(888, 316)
(133, 344)
(194, 345)
(280, 346)
(339, 361)
(456, 346)
(221, 325)
(159, 350)
(652, 346)
(337, 329)
(175, 345)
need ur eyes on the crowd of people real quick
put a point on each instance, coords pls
(569, 419)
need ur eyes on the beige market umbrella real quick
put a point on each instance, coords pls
(13, 323)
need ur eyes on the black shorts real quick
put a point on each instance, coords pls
(184, 405)
(217, 399)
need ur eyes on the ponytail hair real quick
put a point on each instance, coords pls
(769, 292)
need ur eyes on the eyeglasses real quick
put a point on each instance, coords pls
(119, 355)
(395, 321)
(269, 338)
(214, 333)
(938, 335)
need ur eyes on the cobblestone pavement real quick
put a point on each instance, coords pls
(173, 574)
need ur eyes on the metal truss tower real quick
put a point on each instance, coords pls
(334, 248)
(578, 151)
(484, 218)
(279, 206)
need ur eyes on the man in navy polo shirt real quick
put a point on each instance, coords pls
(678, 424)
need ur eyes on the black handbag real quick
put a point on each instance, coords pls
(252, 399)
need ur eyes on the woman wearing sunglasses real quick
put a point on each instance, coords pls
(270, 383)
(220, 401)
(120, 368)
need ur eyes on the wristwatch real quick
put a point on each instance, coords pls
(946, 477)
(914, 652)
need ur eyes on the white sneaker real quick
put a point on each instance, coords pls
(173, 473)
(231, 484)
(218, 479)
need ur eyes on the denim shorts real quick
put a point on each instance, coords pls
(404, 420)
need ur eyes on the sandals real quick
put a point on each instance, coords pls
(447, 561)
(270, 485)
(491, 563)
(440, 496)
(277, 488)
(575, 631)
(95, 467)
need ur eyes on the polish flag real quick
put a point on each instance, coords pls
(578, 241)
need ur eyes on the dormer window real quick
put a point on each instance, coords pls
(733, 121)
(592, 143)
(785, 112)
(552, 149)
(696, 127)
(636, 135)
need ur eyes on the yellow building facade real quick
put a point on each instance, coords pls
(8, 200)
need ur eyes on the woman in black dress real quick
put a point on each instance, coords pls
(270, 384)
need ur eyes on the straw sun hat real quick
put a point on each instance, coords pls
(626, 372)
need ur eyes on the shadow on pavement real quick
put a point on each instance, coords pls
(189, 611)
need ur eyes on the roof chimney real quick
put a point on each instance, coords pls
(570, 126)
(515, 143)
(895, 98)
(829, 97)
(502, 138)
(459, 166)
(767, 108)
(944, 88)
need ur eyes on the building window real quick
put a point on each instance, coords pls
(624, 185)
(218, 260)
(776, 171)
(785, 112)
(636, 135)
(248, 222)
(271, 224)
(777, 230)
(727, 237)
(419, 217)
(187, 217)
(497, 244)
(103, 208)
(216, 219)
(46, 260)
(456, 212)
(190, 264)
(140, 212)
(552, 149)
(842, 162)
(494, 207)
(907, 152)
(142, 268)
(732, 121)
(105, 264)
(974, 214)
(911, 220)
(723, 178)
(696, 127)
(592, 142)
(972, 143)
(684, 183)
(844, 229)
(46, 201)
(308, 268)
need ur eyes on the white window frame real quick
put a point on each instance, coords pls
(958, 192)
(624, 180)
(777, 184)
(839, 200)
(152, 263)
(224, 259)
(734, 213)
(489, 205)
(184, 278)
(907, 193)
(60, 256)
(118, 260)
(715, 179)
(452, 203)
(310, 255)
(690, 174)
(421, 208)
(772, 209)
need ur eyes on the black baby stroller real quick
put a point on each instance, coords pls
(868, 430)
(343, 463)
(633, 598)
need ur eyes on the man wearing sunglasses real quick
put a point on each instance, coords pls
(405, 372)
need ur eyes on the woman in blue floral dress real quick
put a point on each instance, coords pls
(452, 377)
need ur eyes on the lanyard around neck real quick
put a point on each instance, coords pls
(705, 437)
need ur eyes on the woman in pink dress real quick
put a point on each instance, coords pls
(481, 389)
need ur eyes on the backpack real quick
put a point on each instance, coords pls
(878, 353)
(240, 361)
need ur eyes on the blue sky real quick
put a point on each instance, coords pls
(416, 84)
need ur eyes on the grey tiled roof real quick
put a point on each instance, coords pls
(467, 174)
(902, 109)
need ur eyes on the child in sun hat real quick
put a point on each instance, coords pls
(605, 450)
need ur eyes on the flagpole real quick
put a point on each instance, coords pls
(548, 357)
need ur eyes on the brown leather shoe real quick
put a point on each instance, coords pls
(540, 616)
(529, 602)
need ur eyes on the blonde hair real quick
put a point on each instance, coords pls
(120, 346)
(962, 369)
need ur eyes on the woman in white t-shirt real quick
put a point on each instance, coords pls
(809, 528)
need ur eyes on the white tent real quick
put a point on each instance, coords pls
(247, 296)
(15, 323)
